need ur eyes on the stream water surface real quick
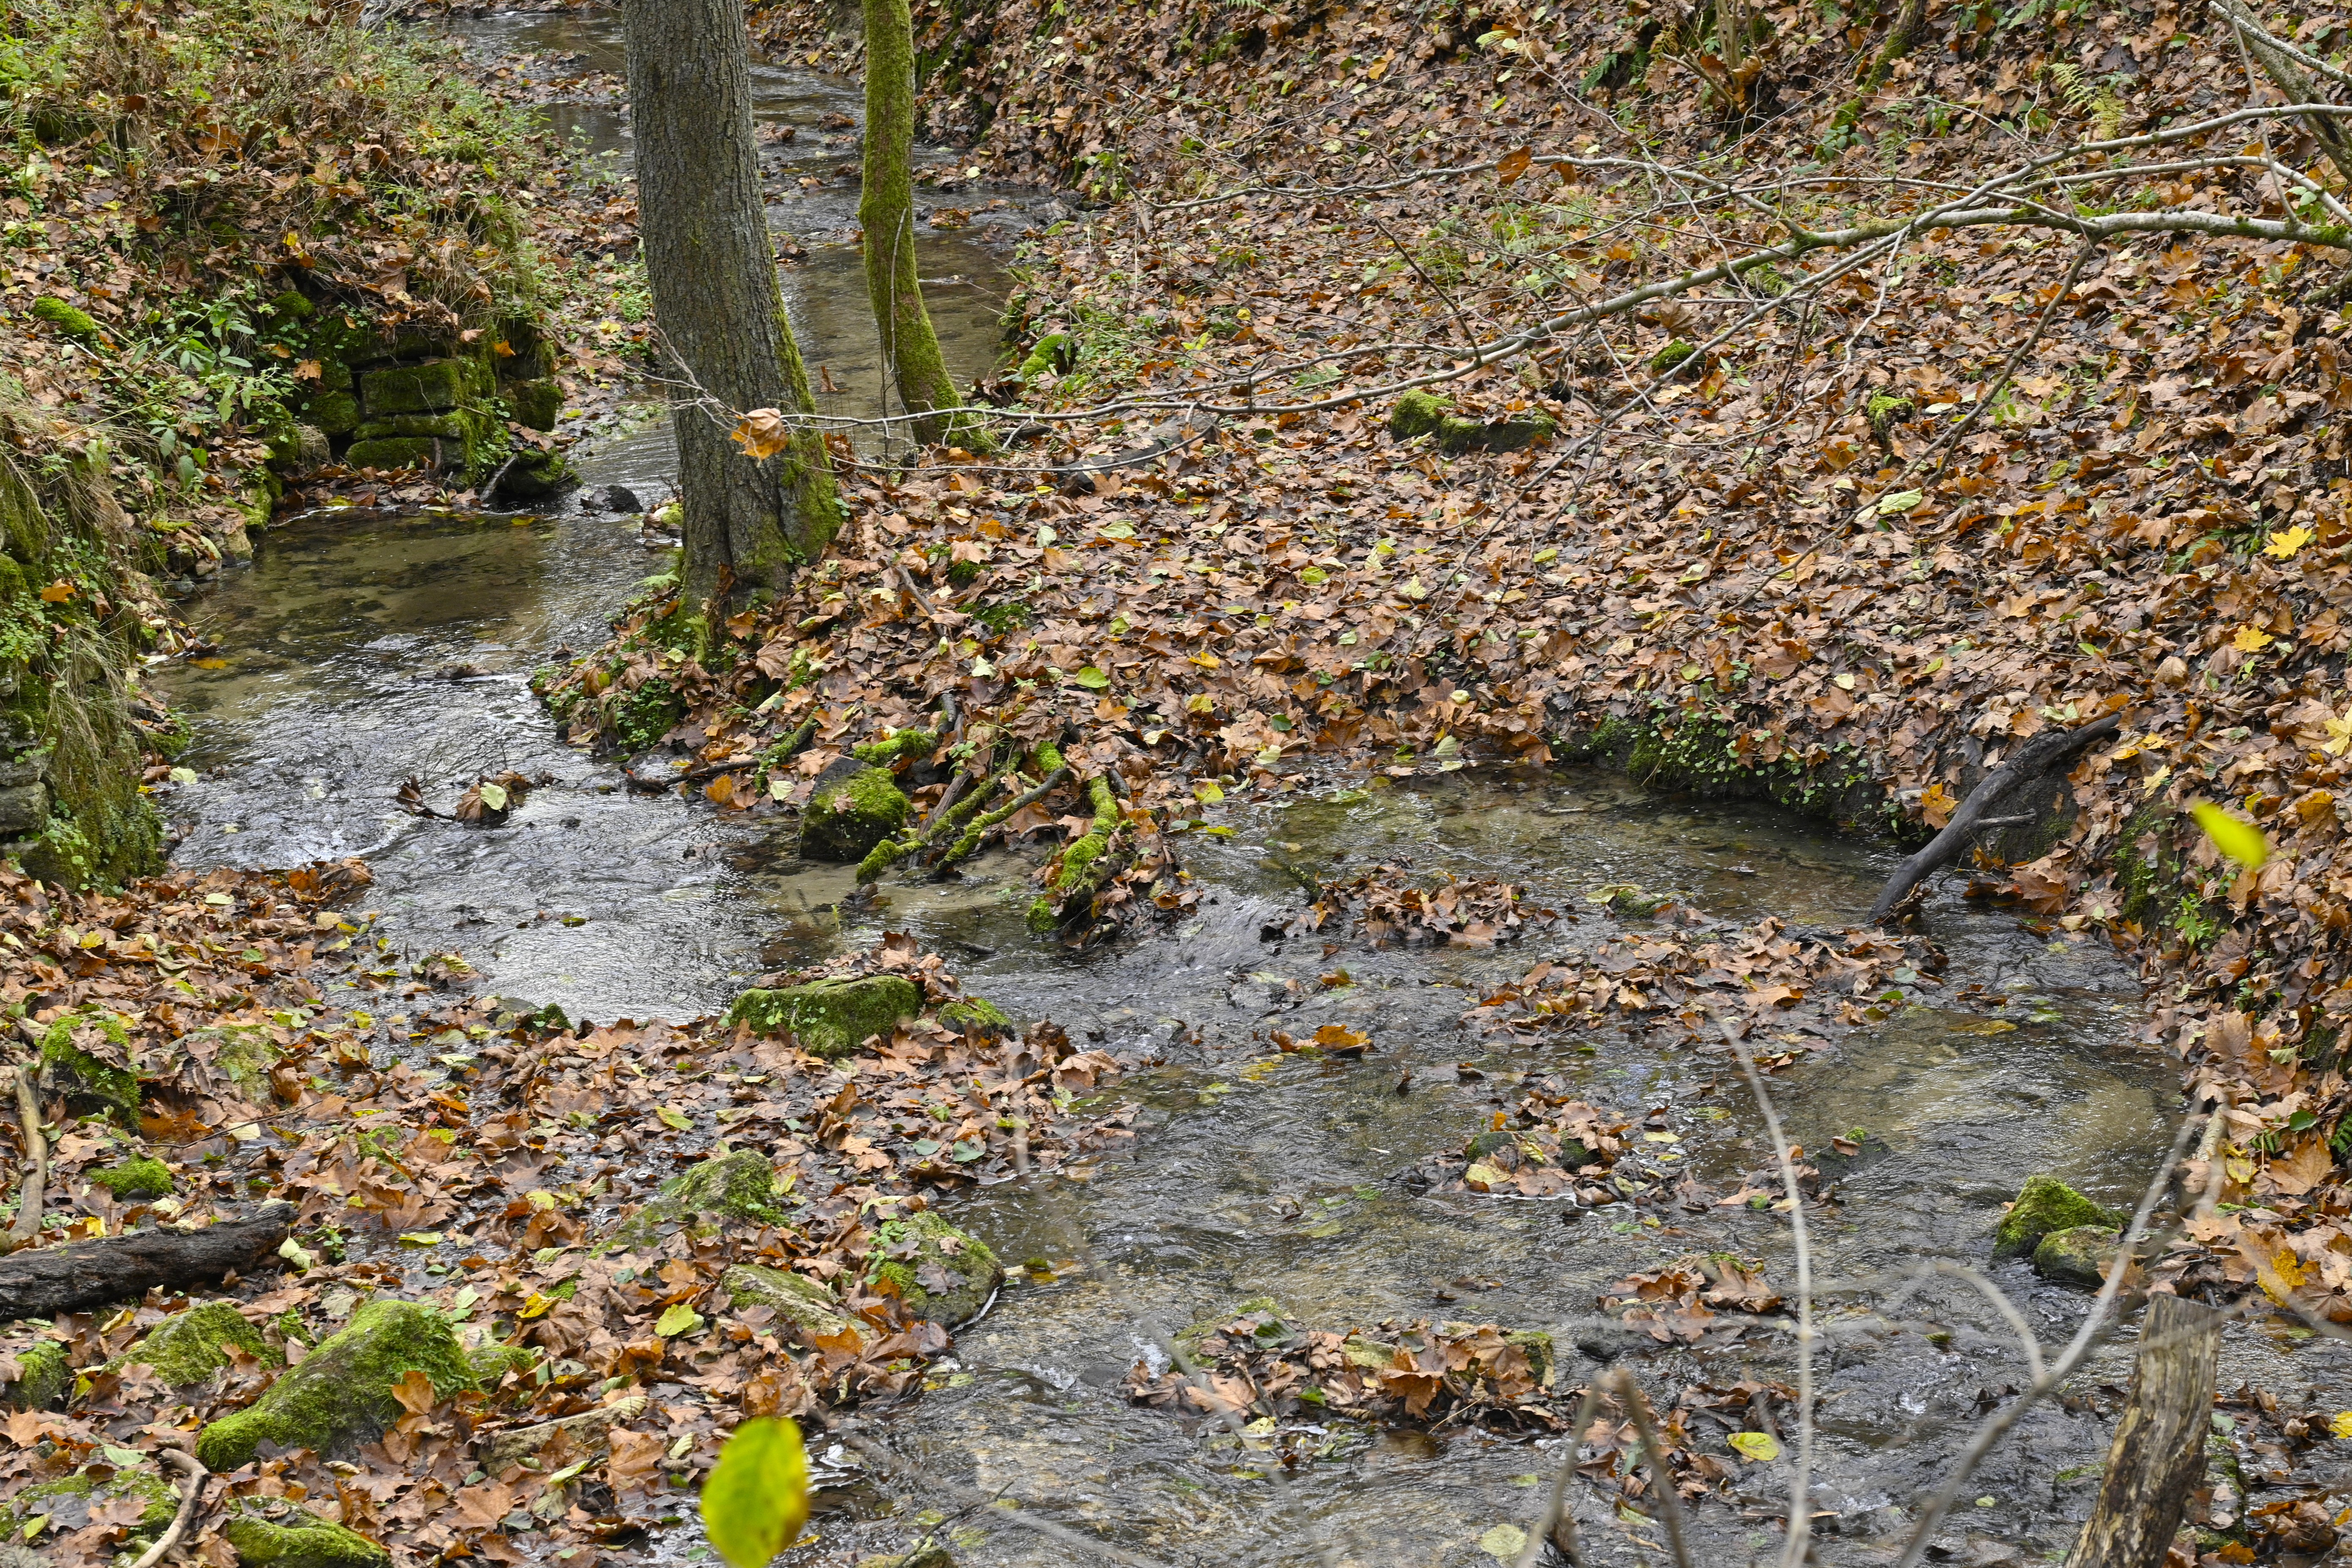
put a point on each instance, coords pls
(362, 651)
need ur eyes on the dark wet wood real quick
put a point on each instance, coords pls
(44, 1281)
(2159, 1451)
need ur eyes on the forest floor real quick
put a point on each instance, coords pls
(1848, 557)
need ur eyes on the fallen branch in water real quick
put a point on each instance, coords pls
(2053, 751)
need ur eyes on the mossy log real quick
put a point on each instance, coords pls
(1087, 863)
(1046, 758)
(45, 1281)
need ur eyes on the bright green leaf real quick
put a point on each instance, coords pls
(672, 1117)
(1093, 680)
(680, 1319)
(1760, 1446)
(421, 1238)
(2240, 841)
(1901, 501)
(757, 1498)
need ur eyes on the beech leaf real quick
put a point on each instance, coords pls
(756, 1501)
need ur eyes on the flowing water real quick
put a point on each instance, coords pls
(361, 652)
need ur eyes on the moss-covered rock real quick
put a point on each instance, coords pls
(90, 1052)
(425, 388)
(336, 412)
(855, 806)
(740, 1187)
(2078, 1255)
(44, 1377)
(297, 1538)
(68, 1502)
(340, 1396)
(796, 1299)
(831, 1018)
(492, 1362)
(1674, 356)
(186, 1348)
(537, 403)
(1417, 414)
(975, 1013)
(393, 452)
(942, 1274)
(137, 1179)
(65, 318)
(2044, 1204)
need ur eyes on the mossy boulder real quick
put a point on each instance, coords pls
(70, 1500)
(2044, 1204)
(2078, 1255)
(297, 1538)
(831, 1018)
(335, 412)
(533, 475)
(796, 1299)
(393, 452)
(740, 1186)
(1674, 356)
(975, 1012)
(187, 1348)
(1417, 414)
(137, 1179)
(537, 403)
(340, 1396)
(425, 388)
(855, 806)
(942, 1274)
(44, 1375)
(491, 1363)
(90, 1053)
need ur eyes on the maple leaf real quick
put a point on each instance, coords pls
(2339, 734)
(2288, 544)
(762, 433)
(2252, 639)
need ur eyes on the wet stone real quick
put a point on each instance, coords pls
(341, 1396)
(943, 1275)
(853, 807)
(2044, 1204)
(831, 1018)
(2078, 1255)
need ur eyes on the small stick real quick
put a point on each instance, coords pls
(1653, 1454)
(1558, 1522)
(197, 1476)
(36, 1163)
(2000, 383)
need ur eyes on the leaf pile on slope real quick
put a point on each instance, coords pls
(589, 1208)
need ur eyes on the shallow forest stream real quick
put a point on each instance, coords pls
(361, 650)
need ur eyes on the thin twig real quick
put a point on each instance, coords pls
(1558, 1522)
(2000, 384)
(1662, 1474)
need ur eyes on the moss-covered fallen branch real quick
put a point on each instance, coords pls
(1087, 862)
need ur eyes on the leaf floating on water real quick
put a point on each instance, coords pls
(2240, 841)
(1760, 1446)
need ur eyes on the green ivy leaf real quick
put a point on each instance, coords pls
(756, 1501)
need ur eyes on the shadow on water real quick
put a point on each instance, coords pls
(1254, 1173)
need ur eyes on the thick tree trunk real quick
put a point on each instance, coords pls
(886, 213)
(45, 1281)
(749, 524)
(2159, 1451)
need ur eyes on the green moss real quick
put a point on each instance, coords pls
(187, 1348)
(910, 743)
(140, 1178)
(2078, 1255)
(1674, 356)
(335, 412)
(975, 1012)
(794, 1298)
(830, 1018)
(738, 1186)
(491, 1363)
(850, 812)
(90, 1075)
(902, 1256)
(393, 452)
(70, 1500)
(423, 388)
(1417, 414)
(73, 323)
(1885, 411)
(537, 403)
(340, 1396)
(45, 1377)
(297, 1539)
(2044, 1204)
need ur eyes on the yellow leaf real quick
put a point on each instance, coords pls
(537, 1307)
(2280, 1276)
(2285, 545)
(2342, 1425)
(671, 1116)
(1207, 793)
(756, 1499)
(2339, 734)
(2240, 841)
(1760, 1446)
(2250, 639)
(762, 433)
(59, 592)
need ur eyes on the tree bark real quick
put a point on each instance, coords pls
(45, 1281)
(886, 211)
(709, 256)
(2158, 1450)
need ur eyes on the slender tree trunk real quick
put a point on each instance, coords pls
(2160, 1445)
(887, 212)
(749, 524)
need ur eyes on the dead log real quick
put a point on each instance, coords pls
(2159, 1451)
(2053, 751)
(42, 1282)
